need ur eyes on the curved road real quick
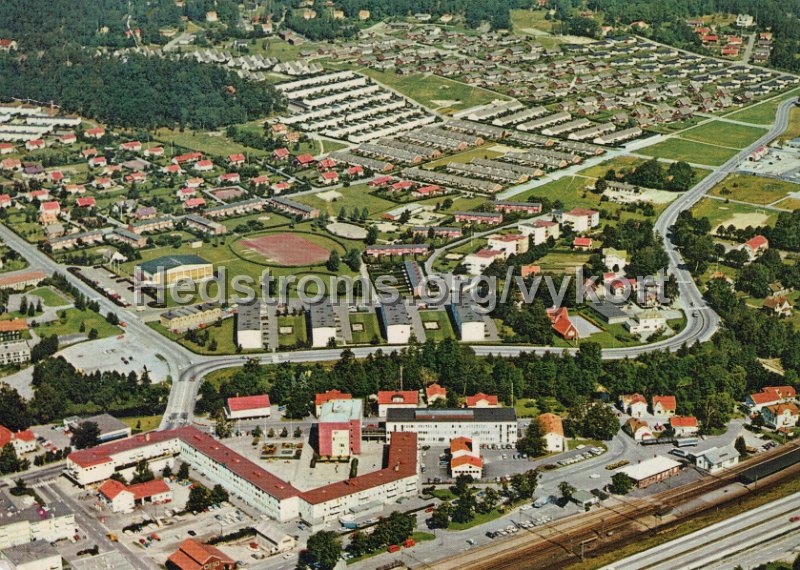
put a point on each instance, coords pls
(188, 369)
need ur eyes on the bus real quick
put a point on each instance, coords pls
(686, 442)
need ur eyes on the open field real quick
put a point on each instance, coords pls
(740, 215)
(562, 260)
(298, 334)
(789, 204)
(354, 197)
(623, 163)
(466, 156)
(212, 144)
(428, 90)
(139, 424)
(49, 296)
(724, 134)
(762, 113)
(530, 21)
(692, 152)
(223, 335)
(369, 322)
(70, 322)
(753, 189)
(793, 130)
(289, 249)
(445, 329)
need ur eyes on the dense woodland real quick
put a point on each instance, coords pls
(137, 91)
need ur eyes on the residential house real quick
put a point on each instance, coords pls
(664, 406)
(553, 430)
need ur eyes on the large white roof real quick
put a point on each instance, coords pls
(649, 467)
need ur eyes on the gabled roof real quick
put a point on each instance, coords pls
(194, 555)
(466, 460)
(402, 397)
(756, 242)
(435, 390)
(320, 399)
(551, 423)
(242, 403)
(473, 400)
(683, 421)
(667, 402)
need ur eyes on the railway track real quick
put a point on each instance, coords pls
(612, 526)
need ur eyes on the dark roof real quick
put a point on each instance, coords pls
(30, 552)
(321, 315)
(394, 314)
(451, 415)
(168, 262)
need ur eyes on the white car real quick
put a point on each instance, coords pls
(594, 476)
(525, 508)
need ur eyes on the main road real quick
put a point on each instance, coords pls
(188, 369)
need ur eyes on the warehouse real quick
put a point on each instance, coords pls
(440, 426)
(395, 322)
(651, 471)
(169, 269)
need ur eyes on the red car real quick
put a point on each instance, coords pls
(795, 518)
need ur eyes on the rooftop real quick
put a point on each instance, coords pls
(341, 410)
(649, 467)
(407, 415)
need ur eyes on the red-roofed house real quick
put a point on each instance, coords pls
(781, 416)
(34, 145)
(236, 159)
(770, 396)
(188, 157)
(582, 243)
(229, 178)
(194, 555)
(481, 400)
(638, 429)
(401, 399)
(684, 426)
(5, 200)
(329, 177)
(304, 160)
(664, 406)
(280, 153)
(326, 164)
(581, 219)
(155, 151)
(95, 133)
(355, 171)
(49, 211)
(553, 430)
(329, 396)
(194, 203)
(131, 146)
(203, 166)
(465, 457)
(97, 161)
(755, 246)
(6, 148)
(634, 405)
(86, 202)
(123, 499)
(562, 324)
(69, 138)
(435, 392)
(248, 407)
(23, 441)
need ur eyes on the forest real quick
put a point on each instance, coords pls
(137, 91)
(667, 20)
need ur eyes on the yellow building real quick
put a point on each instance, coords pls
(169, 269)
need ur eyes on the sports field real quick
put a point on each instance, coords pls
(288, 249)
(689, 151)
(726, 134)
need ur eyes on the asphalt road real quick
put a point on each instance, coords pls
(188, 369)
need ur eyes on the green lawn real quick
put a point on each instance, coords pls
(371, 328)
(445, 329)
(13, 265)
(753, 189)
(298, 334)
(563, 260)
(70, 322)
(762, 113)
(692, 152)
(464, 157)
(793, 129)
(435, 91)
(354, 197)
(741, 215)
(789, 204)
(49, 296)
(209, 143)
(524, 409)
(144, 423)
(530, 21)
(224, 335)
(724, 134)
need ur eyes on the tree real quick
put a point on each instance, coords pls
(521, 486)
(142, 473)
(323, 551)
(566, 489)
(87, 434)
(223, 427)
(183, 472)
(166, 473)
(741, 446)
(218, 495)
(9, 462)
(199, 499)
(440, 518)
(465, 507)
(372, 235)
(490, 499)
(533, 442)
(621, 483)
(600, 422)
(359, 544)
(715, 411)
(334, 261)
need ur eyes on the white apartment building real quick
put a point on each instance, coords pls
(50, 523)
(440, 426)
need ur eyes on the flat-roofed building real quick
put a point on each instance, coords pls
(183, 319)
(249, 325)
(110, 427)
(14, 352)
(35, 523)
(322, 323)
(37, 555)
(467, 322)
(329, 396)
(395, 322)
(339, 428)
(438, 426)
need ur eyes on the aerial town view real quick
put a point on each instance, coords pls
(382, 284)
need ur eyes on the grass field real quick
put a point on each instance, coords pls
(793, 130)
(354, 197)
(371, 328)
(718, 212)
(789, 204)
(445, 329)
(49, 296)
(563, 260)
(281, 50)
(753, 189)
(465, 157)
(724, 134)
(622, 163)
(530, 21)
(207, 143)
(70, 323)
(432, 90)
(224, 335)
(762, 113)
(298, 334)
(692, 152)
(144, 423)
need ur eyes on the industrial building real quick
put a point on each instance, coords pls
(440, 426)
